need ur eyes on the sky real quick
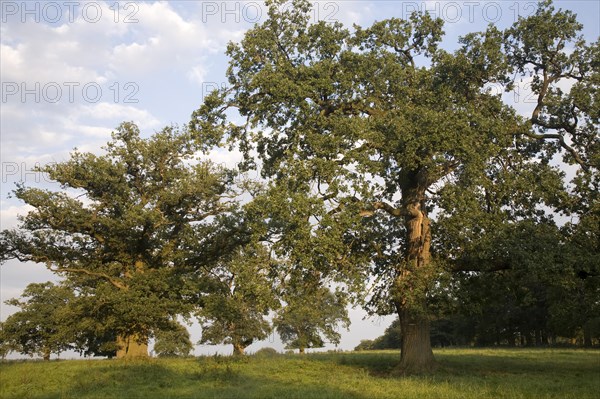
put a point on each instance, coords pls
(71, 71)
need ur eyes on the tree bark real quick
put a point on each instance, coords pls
(46, 354)
(301, 350)
(587, 335)
(238, 349)
(412, 280)
(416, 354)
(131, 346)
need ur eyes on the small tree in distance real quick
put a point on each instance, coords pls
(311, 317)
(174, 342)
(239, 299)
(38, 328)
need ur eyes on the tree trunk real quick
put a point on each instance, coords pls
(413, 279)
(46, 354)
(587, 335)
(131, 347)
(301, 350)
(238, 349)
(416, 355)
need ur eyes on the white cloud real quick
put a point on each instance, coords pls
(112, 112)
(163, 39)
(9, 214)
(228, 159)
(79, 77)
(11, 58)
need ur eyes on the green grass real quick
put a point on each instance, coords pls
(463, 373)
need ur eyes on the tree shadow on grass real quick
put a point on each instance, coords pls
(376, 364)
(93, 379)
(499, 361)
(482, 375)
(385, 364)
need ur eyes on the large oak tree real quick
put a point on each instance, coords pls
(359, 130)
(132, 228)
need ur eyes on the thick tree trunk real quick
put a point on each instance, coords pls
(416, 354)
(587, 335)
(413, 280)
(301, 350)
(131, 347)
(46, 355)
(238, 349)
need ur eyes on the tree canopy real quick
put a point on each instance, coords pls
(311, 317)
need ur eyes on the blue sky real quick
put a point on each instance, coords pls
(72, 71)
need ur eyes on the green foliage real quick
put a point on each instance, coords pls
(39, 326)
(311, 317)
(540, 289)
(130, 228)
(345, 124)
(234, 311)
(266, 352)
(364, 345)
(391, 339)
(174, 342)
(549, 45)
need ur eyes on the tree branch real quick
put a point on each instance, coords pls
(470, 265)
(563, 144)
(110, 279)
(396, 212)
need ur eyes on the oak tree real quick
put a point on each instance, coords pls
(129, 227)
(362, 128)
(234, 309)
(311, 317)
(174, 342)
(38, 327)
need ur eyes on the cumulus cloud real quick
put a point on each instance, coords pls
(81, 75)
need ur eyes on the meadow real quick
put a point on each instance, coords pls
(463, 373)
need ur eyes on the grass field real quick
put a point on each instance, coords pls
(463, 373)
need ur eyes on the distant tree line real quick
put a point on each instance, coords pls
(550, 299)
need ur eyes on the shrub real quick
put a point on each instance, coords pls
(266, 352)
